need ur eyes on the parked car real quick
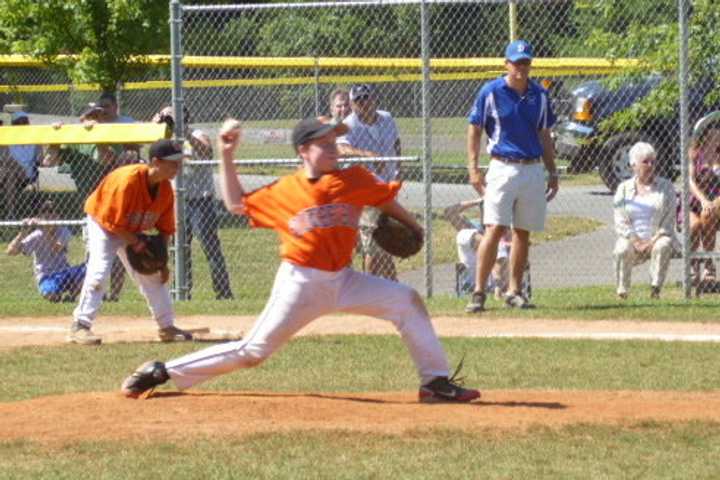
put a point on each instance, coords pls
(579, 139)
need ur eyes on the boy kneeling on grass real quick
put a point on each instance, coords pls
(57, 280)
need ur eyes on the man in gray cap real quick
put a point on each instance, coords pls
(373, 133)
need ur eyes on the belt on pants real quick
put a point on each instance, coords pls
(521, 161)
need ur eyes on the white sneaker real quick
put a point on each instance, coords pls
(82, 335)
(517, 300)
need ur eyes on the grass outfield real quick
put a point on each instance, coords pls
(252, 258)
(657, 451)
(380, 363)
(358, 363)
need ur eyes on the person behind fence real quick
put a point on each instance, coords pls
(56, 279)
(516, 114)
(339, 106)
(373, 133)
(644, 213)
(107, 110)
(111, 156)
(704, 176)
(85, 171)
(129, 200)
(200, 214)
(315, 213)
(468, 237)
(19, 169)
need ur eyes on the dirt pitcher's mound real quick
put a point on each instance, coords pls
(165, 415)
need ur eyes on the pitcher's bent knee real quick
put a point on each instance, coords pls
(418, 303)
(253, 356)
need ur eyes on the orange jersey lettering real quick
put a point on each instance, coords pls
(317, 220)
(122, 201)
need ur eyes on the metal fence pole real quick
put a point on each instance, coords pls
(427, 143)
(176, 54)
(513, 19)
(684, 130)
(317, 86)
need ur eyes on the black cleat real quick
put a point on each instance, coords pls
(148, 376)
(447, 390)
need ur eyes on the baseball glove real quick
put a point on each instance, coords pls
(151, 259)
(396, 238)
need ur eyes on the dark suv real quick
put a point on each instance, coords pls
(579, 139)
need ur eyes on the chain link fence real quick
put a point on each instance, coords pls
(611, 83)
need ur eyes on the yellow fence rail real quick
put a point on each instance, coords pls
(452, 69)
(81, 134)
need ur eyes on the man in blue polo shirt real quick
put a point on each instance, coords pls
(515, 114)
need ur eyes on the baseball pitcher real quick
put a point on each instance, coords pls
(315, 212)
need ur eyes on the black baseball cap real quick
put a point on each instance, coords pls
(311, 128)
(166, 150)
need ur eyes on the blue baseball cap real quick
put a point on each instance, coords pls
(519, 50)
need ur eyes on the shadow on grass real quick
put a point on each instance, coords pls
(642, 306)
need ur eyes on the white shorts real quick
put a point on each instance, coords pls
(515, 196)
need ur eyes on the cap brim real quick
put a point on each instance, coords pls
(175, 157)
(337, 128)
(515, 58)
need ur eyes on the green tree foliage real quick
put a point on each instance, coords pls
(106, 35)
(648, 30)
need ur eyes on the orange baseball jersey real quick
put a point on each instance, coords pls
(317, 220)
(122, 201)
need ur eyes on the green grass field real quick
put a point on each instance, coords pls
(357, 363)
(657, 451)
(252, 258)
(360, 363)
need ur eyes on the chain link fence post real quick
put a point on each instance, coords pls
(176, 55)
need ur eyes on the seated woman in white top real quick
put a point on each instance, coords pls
(644, 210)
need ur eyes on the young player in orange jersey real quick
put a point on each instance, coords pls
(127, 202)
(315, 212)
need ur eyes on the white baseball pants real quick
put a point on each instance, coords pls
(626, 257)
(102, 247)
(299, 296)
